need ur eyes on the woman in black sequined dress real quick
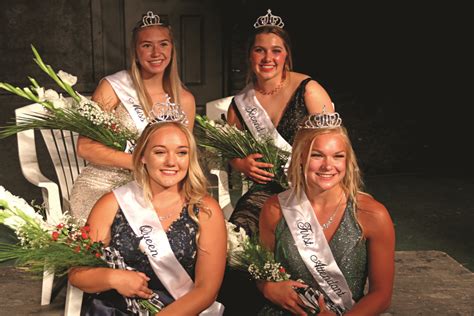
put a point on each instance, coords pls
(284, 98)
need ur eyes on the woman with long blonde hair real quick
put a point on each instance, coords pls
(326, 232)
(165, 226)
(130, 94)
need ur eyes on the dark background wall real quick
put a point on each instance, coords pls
(400, 73)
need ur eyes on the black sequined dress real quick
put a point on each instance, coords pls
(247, 209)
(182, 238)
(247, 212)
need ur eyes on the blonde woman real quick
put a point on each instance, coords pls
(153, 75)
(325, 231)
(165, 226)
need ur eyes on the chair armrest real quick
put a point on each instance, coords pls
(30, 169)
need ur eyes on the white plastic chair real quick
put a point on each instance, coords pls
(214, 111)
(61, 146)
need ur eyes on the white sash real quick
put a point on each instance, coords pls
(314, 248)
(257, 119)
(144, 221)
(123, 86)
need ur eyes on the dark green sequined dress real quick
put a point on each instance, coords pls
(348, 249)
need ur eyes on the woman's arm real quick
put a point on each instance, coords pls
(210, 265)
(93, 280)
(378, 229)
(97, 152)
(249, 165)
(315, 97)
(280, 293)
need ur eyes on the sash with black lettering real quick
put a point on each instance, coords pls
(122, 84)
(314, 248)
(257, 119)
(144, 221)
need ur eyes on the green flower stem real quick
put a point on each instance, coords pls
(49, 70)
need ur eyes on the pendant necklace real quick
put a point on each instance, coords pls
(274, 90)
(331, 218)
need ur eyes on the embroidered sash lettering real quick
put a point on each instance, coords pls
(314, 248)
(257, 119)
(144, 221)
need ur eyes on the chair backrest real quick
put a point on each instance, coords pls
(215, 108)
(214, 111)
(61, 147)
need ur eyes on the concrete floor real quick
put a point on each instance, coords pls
(426, 283)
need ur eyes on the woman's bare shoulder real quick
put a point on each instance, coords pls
(105, 96)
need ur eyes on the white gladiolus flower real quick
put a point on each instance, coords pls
(235, 240)
(56, 99)
(14, 222)
(40, 93)
(51, 95)
(12, 205)
(67, 78)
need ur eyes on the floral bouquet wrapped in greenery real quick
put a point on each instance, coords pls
(55, 247)
(77, 114)
(228, 142)
(247, 254)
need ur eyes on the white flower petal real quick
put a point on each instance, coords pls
(67, 78)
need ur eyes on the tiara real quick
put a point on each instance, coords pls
(269, 20)
(167, 112)
(150, 19)
(322, 120)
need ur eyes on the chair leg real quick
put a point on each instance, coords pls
(73, 301)
(47, 287)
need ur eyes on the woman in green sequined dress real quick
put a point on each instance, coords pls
(356, 229)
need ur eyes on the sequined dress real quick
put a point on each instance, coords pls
(94, 180)
(247, 209)
(349, 251)
(182, 238)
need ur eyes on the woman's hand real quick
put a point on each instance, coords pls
(324, 311)
(131, 283)
(283, 294)
(253, 169)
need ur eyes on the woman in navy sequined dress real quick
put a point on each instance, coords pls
(165, 226)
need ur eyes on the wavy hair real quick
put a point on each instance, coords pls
(304, 140)
(281, 33)
(194, 184)
(171, 80)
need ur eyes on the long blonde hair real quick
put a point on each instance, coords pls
(304, 140)
(194, 185)
(171, 80)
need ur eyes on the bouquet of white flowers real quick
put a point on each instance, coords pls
(228, 142)
(57, 247)
(78, 114)
(245, 253)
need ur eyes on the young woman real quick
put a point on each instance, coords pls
(275, 100)
(272, 104)
(165, 226)
(325, 231)
(152, 77)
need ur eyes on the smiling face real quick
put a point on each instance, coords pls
(268, 56)
(166, 157)
(327, 162)
(154, 50)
